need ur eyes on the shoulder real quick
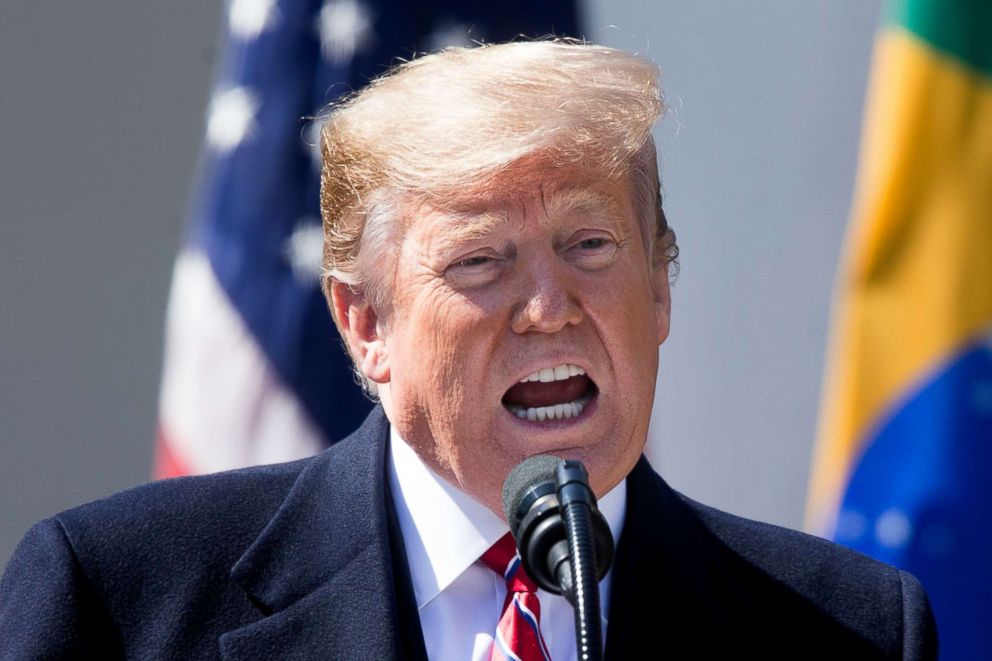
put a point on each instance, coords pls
(870, 597)
(151, 571)
(193, 518)
(182, 531)
(766, 587)
(803, 561)
(136, 563)
(198, 525)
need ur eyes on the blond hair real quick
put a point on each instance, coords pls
(451, 121)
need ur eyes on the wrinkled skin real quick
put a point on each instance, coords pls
(546, 269)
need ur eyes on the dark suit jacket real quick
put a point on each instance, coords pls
(304, 561)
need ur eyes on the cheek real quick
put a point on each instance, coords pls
(627, 317)
(629, 306)
(443, 343)
(446, 320)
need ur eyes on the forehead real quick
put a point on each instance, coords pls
(538, 179)
(555, 197)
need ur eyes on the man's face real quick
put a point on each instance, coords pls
(547, 275)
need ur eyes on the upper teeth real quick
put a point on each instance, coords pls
(549, 374)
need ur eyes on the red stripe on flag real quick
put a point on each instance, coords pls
(167, 463)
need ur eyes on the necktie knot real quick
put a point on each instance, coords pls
(502, 558)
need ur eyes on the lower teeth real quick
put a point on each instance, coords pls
(555, 412)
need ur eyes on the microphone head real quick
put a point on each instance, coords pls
(530, 479)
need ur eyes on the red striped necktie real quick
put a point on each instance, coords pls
(518, 634)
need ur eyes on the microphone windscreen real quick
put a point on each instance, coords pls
(539, 469)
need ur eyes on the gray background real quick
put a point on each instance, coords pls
(101, 114)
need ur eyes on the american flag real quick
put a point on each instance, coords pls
(254, 371)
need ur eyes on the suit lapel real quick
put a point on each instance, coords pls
(666, 592)
(322, 572)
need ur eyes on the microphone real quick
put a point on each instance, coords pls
(564, 541)
(530, 503)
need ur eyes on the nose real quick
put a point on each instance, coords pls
(547, 299)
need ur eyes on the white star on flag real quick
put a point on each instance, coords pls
(249, 18)
(981, 397)
(305, 250)
(345, 27)
(231, 118)
(449, 33)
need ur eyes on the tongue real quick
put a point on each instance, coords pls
(534, 393)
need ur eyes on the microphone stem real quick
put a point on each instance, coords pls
(585, 582)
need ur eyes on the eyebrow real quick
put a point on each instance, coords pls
(469, 226)
(581, 199)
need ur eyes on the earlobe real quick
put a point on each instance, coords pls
(361, 331)
(375, 363)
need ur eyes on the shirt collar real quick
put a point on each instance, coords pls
(444, 529)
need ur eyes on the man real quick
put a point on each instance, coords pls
(497, 264)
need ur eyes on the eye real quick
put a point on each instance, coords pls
(592, 251)
(474, 270)
(592, 244)
(474, 261)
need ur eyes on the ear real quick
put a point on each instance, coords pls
(662, 299)
(360, 328)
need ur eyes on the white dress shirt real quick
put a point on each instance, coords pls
(459, 599)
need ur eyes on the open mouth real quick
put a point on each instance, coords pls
(552, 393)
